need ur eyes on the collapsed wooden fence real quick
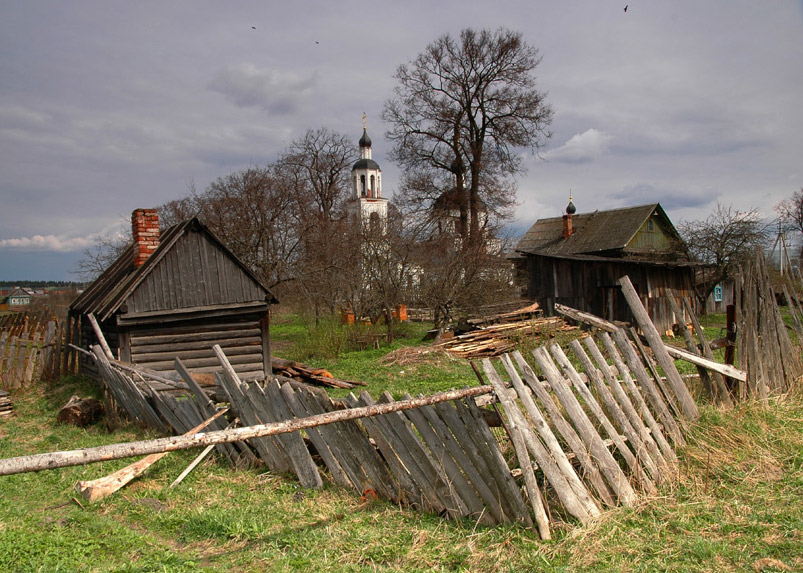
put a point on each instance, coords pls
(586, 427)
(575, 439)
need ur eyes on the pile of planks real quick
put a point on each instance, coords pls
(309, 375)
(496, 339)
(6, 405)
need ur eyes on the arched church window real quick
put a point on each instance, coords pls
(362, 185)
(373, 186)
(373, 222)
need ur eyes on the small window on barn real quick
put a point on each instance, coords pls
(718, 293)
(650, 226)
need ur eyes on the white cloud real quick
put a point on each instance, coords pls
(48, 243)
(247, 85)
(582, 148)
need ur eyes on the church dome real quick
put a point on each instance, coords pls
(365, 141)
(366, 164)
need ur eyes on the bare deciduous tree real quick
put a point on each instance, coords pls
(790, 211)
(723, 240)
(461, 110)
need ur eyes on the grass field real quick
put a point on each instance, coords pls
(736, 504)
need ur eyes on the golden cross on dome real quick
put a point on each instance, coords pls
(364, 121)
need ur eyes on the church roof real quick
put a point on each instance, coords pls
(365, 141)
(366, 164)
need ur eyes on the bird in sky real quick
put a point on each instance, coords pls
(626, 7)
(254, 27)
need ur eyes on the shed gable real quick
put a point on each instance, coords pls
(194, 272)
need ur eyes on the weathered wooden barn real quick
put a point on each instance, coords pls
(577, 259)
(177, 295)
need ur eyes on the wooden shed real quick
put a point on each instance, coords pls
(577, 259)
(176, 296)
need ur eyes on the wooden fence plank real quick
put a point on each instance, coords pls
(654, 339)
(608, 466)
(594, 407)
(516, 425)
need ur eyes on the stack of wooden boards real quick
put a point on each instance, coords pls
(6, 405)
(496, 339)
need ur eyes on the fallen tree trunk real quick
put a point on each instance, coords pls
(97, 489)
(54, 460)
(80, 411)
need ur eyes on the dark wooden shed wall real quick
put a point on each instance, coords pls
(592, 286)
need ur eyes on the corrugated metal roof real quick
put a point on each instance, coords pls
(593, 233)
(110, 290)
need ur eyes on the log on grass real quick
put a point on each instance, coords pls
(53, 460)
(95, 490)
(80, 411)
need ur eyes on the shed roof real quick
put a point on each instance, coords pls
(593, 233)
(110, 290)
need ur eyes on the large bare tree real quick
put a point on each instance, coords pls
(461, 111)
(318, 166)
(723, 240)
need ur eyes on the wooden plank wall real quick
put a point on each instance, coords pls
(592, 287)
(194, 273)
(157, 346)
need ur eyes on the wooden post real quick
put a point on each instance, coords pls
(654, 339)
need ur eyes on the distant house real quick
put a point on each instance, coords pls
(177, 295)
(577, 259)
(20, 296)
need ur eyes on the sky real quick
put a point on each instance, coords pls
(110, 106)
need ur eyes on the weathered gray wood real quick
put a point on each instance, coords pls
(298, 409)
(432, 471)
(724, 369)
(682, 394)
(584, 317)
(643, 409)
(515, 426)
(665, 392)
(629, 409)
(349, 443)
(569, 434)
(606, 462)
(593, 406)
(690, 346)
(101, 339)
(383, 436)
(448, 434)
(52, 460)
(302, 462)
(722, 395)
(268, 449)
(617, 413)
(552, 460)
(474, 506)
(647, 385)
(476, 450)
(476, 425)
(204, 402)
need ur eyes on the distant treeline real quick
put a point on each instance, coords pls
(42, 284)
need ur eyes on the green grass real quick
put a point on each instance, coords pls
(735, 505)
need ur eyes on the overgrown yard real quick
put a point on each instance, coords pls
(736, 504)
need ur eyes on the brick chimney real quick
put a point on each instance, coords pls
(145, 228)
(567, 219)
